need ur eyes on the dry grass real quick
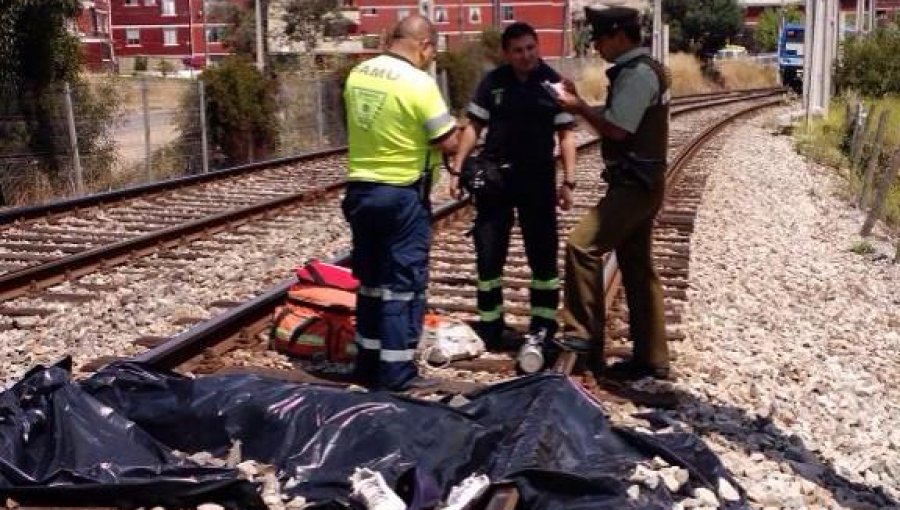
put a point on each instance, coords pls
(746, 74)
(822, 139)
(686, 71)
(592, 85)
(162, 93)
(687, 75)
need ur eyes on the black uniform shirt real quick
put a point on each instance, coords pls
(521, 116)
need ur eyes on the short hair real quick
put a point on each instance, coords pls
(514, 31)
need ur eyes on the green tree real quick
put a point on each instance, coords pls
(869, 65)
(702, 26)
(38, 55)
(240, 20)
(305, 20)
(241, 110)
(766, 32)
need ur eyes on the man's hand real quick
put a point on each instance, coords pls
(565, 198)
(454, 188)
(568, 98)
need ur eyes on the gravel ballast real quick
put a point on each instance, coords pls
(791, 366)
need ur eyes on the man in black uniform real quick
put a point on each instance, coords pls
(522, 118)
(634, 127)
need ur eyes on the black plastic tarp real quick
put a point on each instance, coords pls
(109, 440)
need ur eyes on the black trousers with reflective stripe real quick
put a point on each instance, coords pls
(531, 199)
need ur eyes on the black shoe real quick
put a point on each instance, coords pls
(632, 371)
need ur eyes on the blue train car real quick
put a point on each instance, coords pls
(790, 55)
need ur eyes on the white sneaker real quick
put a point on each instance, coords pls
(370, 488)
(467, 492)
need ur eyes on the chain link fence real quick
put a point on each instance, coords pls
(107, 133)
(110, 132)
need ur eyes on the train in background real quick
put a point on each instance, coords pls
(790, 55)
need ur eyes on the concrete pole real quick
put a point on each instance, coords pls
(73, 141)
(145, 107)
(830, 51)
(260, 39)
(204, 140)
(426, 8)
(657, 30)
(205, 39)
(860, 13)
(872, 14)
(807, 57)
(665, 44)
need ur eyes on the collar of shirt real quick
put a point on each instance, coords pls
(537, 75)
(399, 57)
(631, 55)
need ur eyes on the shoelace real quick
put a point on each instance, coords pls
(372, 491)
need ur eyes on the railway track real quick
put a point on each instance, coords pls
(237, 328)
(45, 245)
(36, 323)
(453, 264)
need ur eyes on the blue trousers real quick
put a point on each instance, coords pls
(391, 229)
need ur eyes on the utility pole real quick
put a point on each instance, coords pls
(860, 13)
(260, 39)
(872, 15)
(657, 30)
(820, 48)
(205, 38)
(426, 8)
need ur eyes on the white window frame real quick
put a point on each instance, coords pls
(149, 3)
(131, 3)
(369, 11)
(163, 10)
(474, 15)
(507, 13)
(167, 32)
(443, 17)
(128, 38)
(218, 31)
(402, 13)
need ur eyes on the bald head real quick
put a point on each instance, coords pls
(415, 27)
(415, 39)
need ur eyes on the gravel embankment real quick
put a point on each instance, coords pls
(791, 367)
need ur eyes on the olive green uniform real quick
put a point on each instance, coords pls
(622, 221)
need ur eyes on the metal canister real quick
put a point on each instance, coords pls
(531, 355)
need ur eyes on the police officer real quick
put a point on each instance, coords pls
(522, 119)
(634, 127)
(398, 125)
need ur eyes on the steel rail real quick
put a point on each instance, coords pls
(35, 278)
(12, 215)
(248, 318)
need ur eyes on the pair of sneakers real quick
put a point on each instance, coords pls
(370, 488)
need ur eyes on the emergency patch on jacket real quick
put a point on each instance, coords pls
(368, 104)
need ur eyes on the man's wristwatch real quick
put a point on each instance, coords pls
(569, 184)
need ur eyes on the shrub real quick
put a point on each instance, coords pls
(465, 68)
(241, 110)
(140, 64)
(870, 64)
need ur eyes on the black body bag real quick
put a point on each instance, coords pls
(483, 177)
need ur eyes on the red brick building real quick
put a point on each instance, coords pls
(167, 29)
(753, 9)
(459, 20)
(93, 29)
